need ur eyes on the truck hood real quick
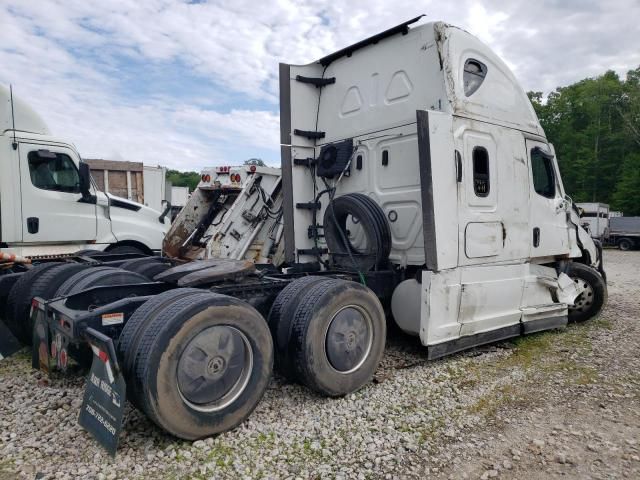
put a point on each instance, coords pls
(120, 202)
(136, 222)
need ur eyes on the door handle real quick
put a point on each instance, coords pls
(536, 237)
(33, 224)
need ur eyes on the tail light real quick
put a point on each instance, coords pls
(206, 178)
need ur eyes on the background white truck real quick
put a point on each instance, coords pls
(595, 216)
(48, 204)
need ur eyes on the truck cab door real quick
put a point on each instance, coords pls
(52, 206)
(549, 208)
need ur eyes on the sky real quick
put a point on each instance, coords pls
(191, 84)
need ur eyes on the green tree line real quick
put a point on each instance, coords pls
(594, 125)
(183, 179)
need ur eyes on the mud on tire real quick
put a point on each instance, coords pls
(338, 337)
(203, 365)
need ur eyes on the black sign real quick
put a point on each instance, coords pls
(105, 393)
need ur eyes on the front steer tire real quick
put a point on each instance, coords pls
(591, 301)
(203, 365)
(338, 337)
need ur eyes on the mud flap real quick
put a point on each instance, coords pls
(40, 356)
(105, 393)
(9, 344)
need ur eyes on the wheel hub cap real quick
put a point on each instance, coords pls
(348, 340)
(583, 302)
(214, 367)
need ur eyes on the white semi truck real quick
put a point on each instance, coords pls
(48, 203)
(415, 178)
(594, 216)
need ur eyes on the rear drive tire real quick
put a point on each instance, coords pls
(591, 301)
(625, 244)
(123, 249)
(280, 320)
(45, 286)
(338, 337)
(205, 362)
(99, 276)
(135, 264)
(153, 269)
(88, 252)
(19, 300)
(130, 336)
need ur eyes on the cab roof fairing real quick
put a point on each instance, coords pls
(25, 118)
(500, 99)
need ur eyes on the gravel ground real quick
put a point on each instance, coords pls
(559, 404)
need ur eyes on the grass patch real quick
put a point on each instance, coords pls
(7, 470)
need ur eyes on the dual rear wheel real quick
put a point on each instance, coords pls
(197, 363)
(329, 334)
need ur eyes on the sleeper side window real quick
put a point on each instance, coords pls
(481, 184)
(544, 180)
(474, 74)
(53, 171)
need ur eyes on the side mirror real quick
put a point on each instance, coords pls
(85, 180)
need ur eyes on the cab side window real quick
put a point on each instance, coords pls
(53, 171)
(544, 179)
(481, 184)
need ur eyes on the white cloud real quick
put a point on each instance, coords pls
(68, 58)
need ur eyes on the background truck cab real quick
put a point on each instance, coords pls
(49, 205)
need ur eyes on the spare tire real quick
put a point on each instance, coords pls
(360, 209)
